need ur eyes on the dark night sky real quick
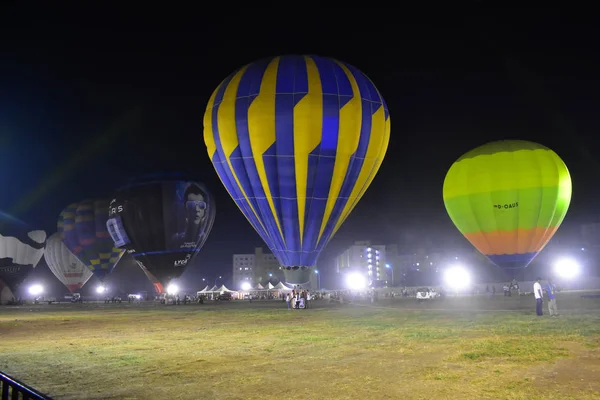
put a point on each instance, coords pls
(89, 98)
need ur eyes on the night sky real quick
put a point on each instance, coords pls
(90, 98)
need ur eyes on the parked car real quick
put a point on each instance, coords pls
(73, 297)
(426, 293)
(44, 299)
(225, 296)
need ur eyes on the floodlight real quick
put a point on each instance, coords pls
(355, 281)
(172, 289)
(36, 290)
(566, 268)
(457, 277)
(100, 289)
(246, 286)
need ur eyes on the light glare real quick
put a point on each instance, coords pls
(457, 277)
(172, 289)
(566, 268)
(355, 281)
(36, 290)
(100, 289)
(246, 286)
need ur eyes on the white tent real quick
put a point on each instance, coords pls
(223, 289)
(281, 286)
(203, 291)
(259, 287)
(270, 286)
(213, 289)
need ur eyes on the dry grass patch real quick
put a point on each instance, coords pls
(240, 352)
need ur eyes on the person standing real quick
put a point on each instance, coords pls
(539, 296)
(288, 300)
(550, 289)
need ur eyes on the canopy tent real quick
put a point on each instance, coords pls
(206, 289)
(281, 286)
(262, 288)
(214, 288)
(223, 289)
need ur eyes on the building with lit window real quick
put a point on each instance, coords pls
(256, 268)
(366, 258)
(243, 269)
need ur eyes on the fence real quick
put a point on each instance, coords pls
(12, 389)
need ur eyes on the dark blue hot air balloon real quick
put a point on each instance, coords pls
(162, 220)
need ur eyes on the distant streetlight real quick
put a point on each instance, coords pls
(318, 279)
(390, 267)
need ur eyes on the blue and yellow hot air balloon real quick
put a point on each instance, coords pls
(296, 140)
(508, 198)
(82, 227)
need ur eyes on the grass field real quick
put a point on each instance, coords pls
(458, 348)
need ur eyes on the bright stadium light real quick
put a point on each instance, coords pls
(355, 281)
(100, 289)
(566, 268)
(36, 290)
(457, 277)
(172, 289)
(246, 286)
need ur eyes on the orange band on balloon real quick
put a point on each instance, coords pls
(519, 241)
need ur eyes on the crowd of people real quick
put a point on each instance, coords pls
(298, 299)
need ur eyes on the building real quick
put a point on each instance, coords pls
(426, 266)
(243, 269)
(366, 258)
(256, 268)
(267, 267)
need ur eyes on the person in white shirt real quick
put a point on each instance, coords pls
(288, 300)
(539, 296)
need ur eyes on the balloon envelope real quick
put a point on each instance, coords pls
(508, 198)
(21, 248)
(158, 287)
(163, 222)
(82, 227)
(296, 141)
(5, 293)
(64, 265)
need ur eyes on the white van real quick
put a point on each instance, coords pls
(426, 293)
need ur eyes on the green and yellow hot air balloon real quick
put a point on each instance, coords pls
(508, 198)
